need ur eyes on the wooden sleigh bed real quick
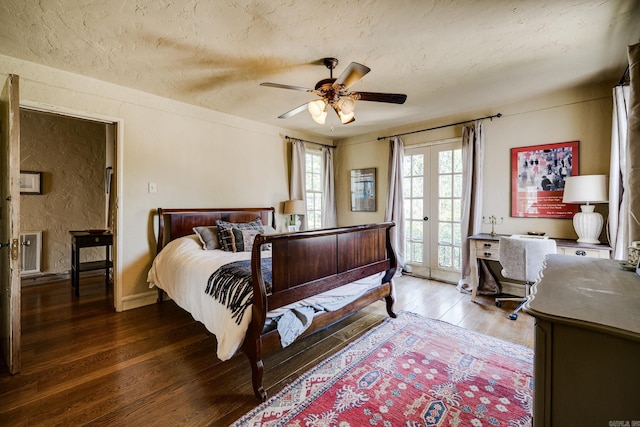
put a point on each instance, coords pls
(303, 265)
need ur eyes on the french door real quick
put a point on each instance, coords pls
(433, 210)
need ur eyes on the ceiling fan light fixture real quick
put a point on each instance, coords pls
(346, 118)
(346, 105)
(335, 92)
(318, 111)
(320, 118)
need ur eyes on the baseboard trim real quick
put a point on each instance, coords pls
(139, 300)
(42, 278)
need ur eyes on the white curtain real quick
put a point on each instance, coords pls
(297, 190)
(633, 144)
(329, 215)
(618, 223)
(472, 172)
(395, 199)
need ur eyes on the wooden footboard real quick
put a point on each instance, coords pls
(308, 263)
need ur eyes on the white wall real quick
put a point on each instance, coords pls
(578, 114)
(197, 158)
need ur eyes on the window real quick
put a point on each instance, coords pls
(413, 207)
(449, 208)
(313, 178)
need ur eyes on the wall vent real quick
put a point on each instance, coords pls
(31, 252)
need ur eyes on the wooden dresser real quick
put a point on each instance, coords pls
(487, 247)
(587, 343)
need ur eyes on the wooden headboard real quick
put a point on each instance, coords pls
(175, 223)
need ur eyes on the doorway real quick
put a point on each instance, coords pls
(75, 157)
(433, 209)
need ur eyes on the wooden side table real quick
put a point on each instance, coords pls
(85, 239)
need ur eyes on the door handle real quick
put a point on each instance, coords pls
(15, 245)
(426, 218)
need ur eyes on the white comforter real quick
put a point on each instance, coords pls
(183, 268)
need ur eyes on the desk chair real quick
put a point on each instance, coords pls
(522, 259)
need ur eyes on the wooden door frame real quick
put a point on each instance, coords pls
(119, 137)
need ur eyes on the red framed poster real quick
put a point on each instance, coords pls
(538, 175)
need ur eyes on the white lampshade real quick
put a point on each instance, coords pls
(586, 189)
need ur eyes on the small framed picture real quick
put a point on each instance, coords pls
(363, 190)
(30, 182)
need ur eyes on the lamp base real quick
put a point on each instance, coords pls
(588, 225)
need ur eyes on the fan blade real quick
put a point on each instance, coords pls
(294, 111)
(394, 98)
(281, 86)
(351, 74)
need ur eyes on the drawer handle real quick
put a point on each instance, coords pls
(487, 245)
(580, 252)
(487, 254)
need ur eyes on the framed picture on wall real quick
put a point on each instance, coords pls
(363, 190)
(538, 175)
(30, 182)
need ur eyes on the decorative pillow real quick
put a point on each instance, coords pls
(269, 229)
(248, 236)
(230, 241)
(256, 224)
(208, 236)
(239, 240)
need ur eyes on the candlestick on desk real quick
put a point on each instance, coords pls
(493, 221)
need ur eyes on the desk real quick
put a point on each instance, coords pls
(84, 239)
(587, 343)
(485, 246)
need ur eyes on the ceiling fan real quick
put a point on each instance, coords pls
(335, 93)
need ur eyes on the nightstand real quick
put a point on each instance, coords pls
(85, 239)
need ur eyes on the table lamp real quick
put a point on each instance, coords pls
(294, 208)
(586, 189)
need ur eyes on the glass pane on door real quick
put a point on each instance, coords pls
(414, 207)
(433, 210)
(449, 207)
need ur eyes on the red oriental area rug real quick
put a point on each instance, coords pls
(410, 371)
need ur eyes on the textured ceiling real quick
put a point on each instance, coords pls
(447, 56)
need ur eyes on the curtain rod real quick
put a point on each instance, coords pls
(443, 126)
(304, 140)
(624, 76)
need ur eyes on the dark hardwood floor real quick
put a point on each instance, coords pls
(84, 364)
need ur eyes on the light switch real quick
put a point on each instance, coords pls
(152, 187)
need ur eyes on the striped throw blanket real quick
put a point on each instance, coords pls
(231, 285)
